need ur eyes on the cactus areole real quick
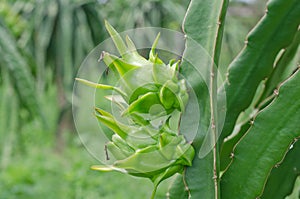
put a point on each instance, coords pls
(151, 97)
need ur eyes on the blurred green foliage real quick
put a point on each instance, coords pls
(42, 44)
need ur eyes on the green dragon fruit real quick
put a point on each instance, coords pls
(151, 98)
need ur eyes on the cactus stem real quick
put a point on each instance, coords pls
(154, 192)
(186, 187)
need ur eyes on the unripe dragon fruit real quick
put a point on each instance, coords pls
(151, 98)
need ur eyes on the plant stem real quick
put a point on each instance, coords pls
(154, 192)
(214, 131)
(185, 184)
(213, 94)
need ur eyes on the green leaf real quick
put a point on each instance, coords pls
(120, 143)
(118, 41)
(45, 13)
(94, 19)
(275, 31)
(101, 86)
(284, 175)
(136, 137)
(153, 158)
(19, 70)
(107, 119)
(144, 103)
(9, 122)
(63, 43)
(128, 53)
(152, 55)
(119, 65)
(142, 90)
(116, 151)
(264, 145)
(95, 85)
(162, 73)
(168, 95)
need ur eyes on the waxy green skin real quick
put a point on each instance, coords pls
(149, 91)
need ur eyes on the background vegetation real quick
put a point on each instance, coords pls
(42, 44)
